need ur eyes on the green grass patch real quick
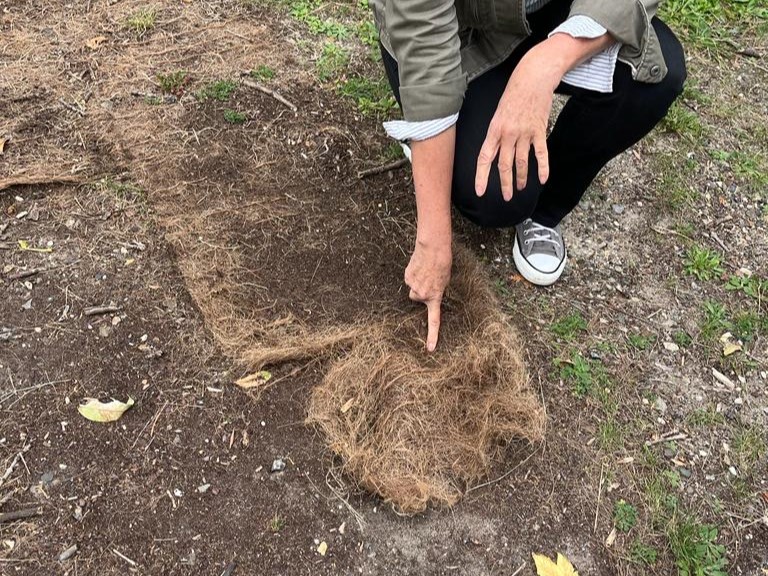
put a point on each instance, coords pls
(276, 523)
(142, 21)
(640, 342)
(234, 117)
(675, 188)
(684, 122)
(220, 90)
(701, 417)
(715, 320)
(569, 327)
(333, 60)
(682, 339)
(709, 24)
(373, 96)
(702, 263)
(263, 73)
(749, 447)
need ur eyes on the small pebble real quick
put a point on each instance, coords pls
(278, 465)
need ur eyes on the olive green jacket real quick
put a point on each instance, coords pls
(441, 45)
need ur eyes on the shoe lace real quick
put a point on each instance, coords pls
(542, 234)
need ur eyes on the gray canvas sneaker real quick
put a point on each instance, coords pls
(539, 252)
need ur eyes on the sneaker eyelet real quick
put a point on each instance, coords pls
(527, 242)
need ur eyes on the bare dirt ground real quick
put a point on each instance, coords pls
(214, 228)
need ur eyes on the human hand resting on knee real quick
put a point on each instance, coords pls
(521, 117)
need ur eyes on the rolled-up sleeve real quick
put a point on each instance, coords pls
(629, 22)
(597, 72)
(425, 41)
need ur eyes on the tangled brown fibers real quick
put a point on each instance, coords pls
(419, 429)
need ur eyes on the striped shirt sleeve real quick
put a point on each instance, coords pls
(402, 130)
(597, 72)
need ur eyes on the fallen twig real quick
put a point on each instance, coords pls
(381, 169)
(96, 310)
(229, 569)
(35, 180)
(669, 437)
(599, 496)
(19, 514)
(119, 555)
(723, 379)
(25, 273)
(272, 93)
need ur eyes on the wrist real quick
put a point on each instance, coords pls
(435, 242)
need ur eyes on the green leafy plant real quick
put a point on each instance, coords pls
(642, 554)
(702, 263)
(234, 117)
(578, 372)
(695, 548)
(624, 516)
(174, 82)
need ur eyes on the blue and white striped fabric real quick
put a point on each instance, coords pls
(597, 72)
(594, 74)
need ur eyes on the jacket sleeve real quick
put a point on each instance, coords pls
(629, 21)
(424, 35)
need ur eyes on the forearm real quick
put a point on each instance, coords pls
(562, 52)
(432, 177)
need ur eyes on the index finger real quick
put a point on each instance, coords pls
(433, 324)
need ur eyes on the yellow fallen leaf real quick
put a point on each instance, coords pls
(24, 245)
(95, 42)
(254, 380)
(104, 411)
(731, 348)
(546, 567)
(322, 549)
(729, 345)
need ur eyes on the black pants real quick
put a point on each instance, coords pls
(592, 129)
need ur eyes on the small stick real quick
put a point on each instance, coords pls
(272, 93)
(25, 274)
(680, 436)
(229, 569)
(131, 562)
(516, 572)
(381, 169)
(35, 180)
(599, 495)
(19, 514)
(96, 310)
(723, 379)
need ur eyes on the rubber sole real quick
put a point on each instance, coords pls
(533, 275)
